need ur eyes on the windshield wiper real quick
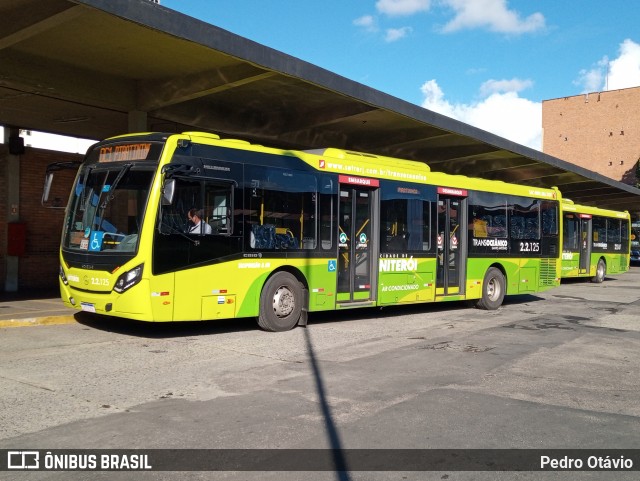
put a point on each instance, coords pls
(108, 198)
(110, 195)
(87, 171)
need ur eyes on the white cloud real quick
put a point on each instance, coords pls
(619, 73)
(593, 80)
(394, 34)
(493, 15)
(434, 98)
(503, 112)
(624, 71)
(367, 22)
(402, 7)
(496, 86)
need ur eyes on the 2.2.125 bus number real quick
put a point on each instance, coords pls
(529, 246)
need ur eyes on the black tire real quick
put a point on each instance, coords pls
(601, 272)
(494, 287)
(280, 303)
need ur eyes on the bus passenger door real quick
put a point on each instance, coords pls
(355, 245)
(585, 245)
(451, 245)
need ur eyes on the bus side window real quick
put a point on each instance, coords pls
(405, 219)
(218, 208)
(327, 216)
(282, 209)
(549, 218)
(613, 230)
(524, 218)
(624, 231)
(599, 229)
(571, 230)
(489, 214)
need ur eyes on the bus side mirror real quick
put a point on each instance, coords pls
(48, 180)
(60, 190)
(56, 202)
(168, 191)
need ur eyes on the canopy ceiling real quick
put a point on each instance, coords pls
(90, 68)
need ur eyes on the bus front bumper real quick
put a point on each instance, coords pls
(130, 304)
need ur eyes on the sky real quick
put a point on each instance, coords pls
(489, 63)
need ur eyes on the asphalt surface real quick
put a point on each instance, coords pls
(557, 370)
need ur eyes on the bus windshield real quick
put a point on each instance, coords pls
(106, 208)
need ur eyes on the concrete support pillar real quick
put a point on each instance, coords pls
(137, 121)
(12, 174)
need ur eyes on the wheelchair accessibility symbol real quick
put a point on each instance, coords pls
(332, 266)
(95, 242)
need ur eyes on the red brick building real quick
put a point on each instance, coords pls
(21, 182)
(599, 131)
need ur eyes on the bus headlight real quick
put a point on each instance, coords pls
(128, 279)
(63, 277)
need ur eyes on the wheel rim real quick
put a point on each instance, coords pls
(493, 289)
(601, 270)
(284, 301)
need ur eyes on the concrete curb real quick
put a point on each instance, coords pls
(37, 321)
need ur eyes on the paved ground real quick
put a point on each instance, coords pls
(558, 370)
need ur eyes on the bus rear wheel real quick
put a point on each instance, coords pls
(280, 303)
(601, 272)
(493, 290)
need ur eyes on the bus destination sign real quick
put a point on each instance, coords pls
(124, 152)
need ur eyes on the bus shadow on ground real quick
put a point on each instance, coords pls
(569, 281)
(346, 315)
(160, 330)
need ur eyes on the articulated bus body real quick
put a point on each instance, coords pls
(595, 241)
(285, 232)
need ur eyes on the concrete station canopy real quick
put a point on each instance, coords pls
(90, 68)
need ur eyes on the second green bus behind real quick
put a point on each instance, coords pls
(596, 241)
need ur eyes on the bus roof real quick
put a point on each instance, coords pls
(382, 167)
(369, 165)
(569, 206)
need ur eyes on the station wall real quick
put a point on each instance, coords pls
(38, 266)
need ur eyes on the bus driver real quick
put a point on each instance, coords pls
(197, 225)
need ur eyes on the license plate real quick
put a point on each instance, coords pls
(88, 307)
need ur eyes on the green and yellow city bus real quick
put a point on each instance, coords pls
(281, 233)
(595, 241)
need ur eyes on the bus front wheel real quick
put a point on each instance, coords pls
(601, 272)
(280, 303)
(493, 290)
